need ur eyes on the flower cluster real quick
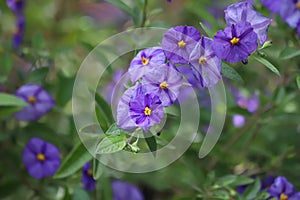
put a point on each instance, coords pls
(17, 7)
(159, 71)
(289, 10)
(239, 39)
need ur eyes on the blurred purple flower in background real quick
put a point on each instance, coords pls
(39, 100)
(108, 90)
(17, 7)
(125, 191)
(281, 189)
(41, 159)
(290, 12)
(165, 82)
(244, 12)
(146, 109)
(273, 5)
(205, 65)
(87, 179)
(236, 42)
(179, 42)
(238, 120)
(144, 60)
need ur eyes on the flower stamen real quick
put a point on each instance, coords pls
(298, 5)
(202, 60)
(41, 157)
(31, 100)
(147, 111)
(163, 85)
(234, 41)
(181, 44)
(90, 172)
(145, 61)
(284, 197)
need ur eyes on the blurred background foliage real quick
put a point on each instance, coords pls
(58, 36)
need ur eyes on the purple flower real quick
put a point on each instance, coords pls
(40, 102)
(238, 121)
(18, 35)
(178, 43)
(41, 159)
(124, 121)
(298, 28)
(236, 42)
(165, 82)
(290, 12)
(267, 182)
(16, 6)
(281, 189)
(205, 65)
(145, 109)
(87, 179)
(251, 103)
(273, 5)
(243, 11)
(145, 60)
(125, 191)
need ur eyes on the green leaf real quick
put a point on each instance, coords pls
(8, 110)
(233, 181)
(266, 63)
(38, 41)
(238, 110)
(252, 191)
(74, 161)
(38, 75)
(105, 107)
(298, 81)
(101, 118)
(114, 130)
(205, 31)
(151, 142)
(98, 169)
(289, 53)
(230, 73)
(111, 144)
(79, 194)
(11, 100)
(122, 6)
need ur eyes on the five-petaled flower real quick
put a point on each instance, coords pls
(165, 82)
(87, 179)
(41, 159)
(39, 102)
(236, 42)
(281, 189)
(145, 60)
(145, 109)
(205, 65)
(178, 43)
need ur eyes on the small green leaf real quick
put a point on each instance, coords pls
(98, 169)
(233, 181)
(74, 161)
(151, 142)
(230, 73)
(11, 100)
(38, 41)
(101, 118)
(289, 53)
(105, 107)
(205, 31)
(38, 75)
(298, 81)
(252, 191)
(79, 194)
(266, 63)
(8, 110)
(114, 130)
(111, 144)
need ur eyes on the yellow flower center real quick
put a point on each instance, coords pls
(31, 99)
(181, 44)
(234, 40)
(90, 172)
(283, 197)
(41, 157)
(163, 85)
(147, 111)
(202, 60)
(298, 5)
(145, 61)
